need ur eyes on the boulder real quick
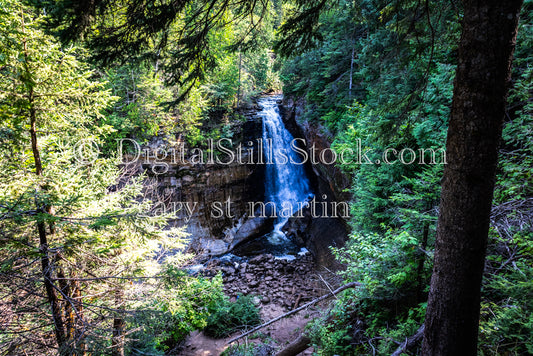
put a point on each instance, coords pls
(212, 247)
(252, 228)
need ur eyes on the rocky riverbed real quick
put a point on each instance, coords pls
(273, 280)
(288, 282)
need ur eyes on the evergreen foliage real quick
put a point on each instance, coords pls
(402, 76)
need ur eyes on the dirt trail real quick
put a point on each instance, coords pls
(282, 332)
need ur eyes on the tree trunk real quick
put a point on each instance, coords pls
(73, 310)
(478, 107)
(351, 71)
(70, 321)
(239, 87)
(117, 345)
(420, 281)
(46, 265)
(79, 330)
(50, 291)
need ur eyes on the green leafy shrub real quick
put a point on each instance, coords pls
(364, 326)
(330, 339)
(506, 322)
(384, 264)
(504, 328)
(231, 316)
(181, 306)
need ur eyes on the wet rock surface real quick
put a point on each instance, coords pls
(253, 227)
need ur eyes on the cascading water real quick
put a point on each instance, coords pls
(286, 184)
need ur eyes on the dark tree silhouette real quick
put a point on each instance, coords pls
(478, 108)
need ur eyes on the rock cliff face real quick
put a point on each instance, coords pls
(211, 199)
(229, 188)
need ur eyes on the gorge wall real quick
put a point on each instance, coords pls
(329, 183)
(192, 189)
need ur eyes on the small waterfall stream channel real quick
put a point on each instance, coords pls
(286, 183)
(287, 189)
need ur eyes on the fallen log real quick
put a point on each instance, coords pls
(295, 347)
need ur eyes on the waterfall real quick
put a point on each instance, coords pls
(286, 184)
